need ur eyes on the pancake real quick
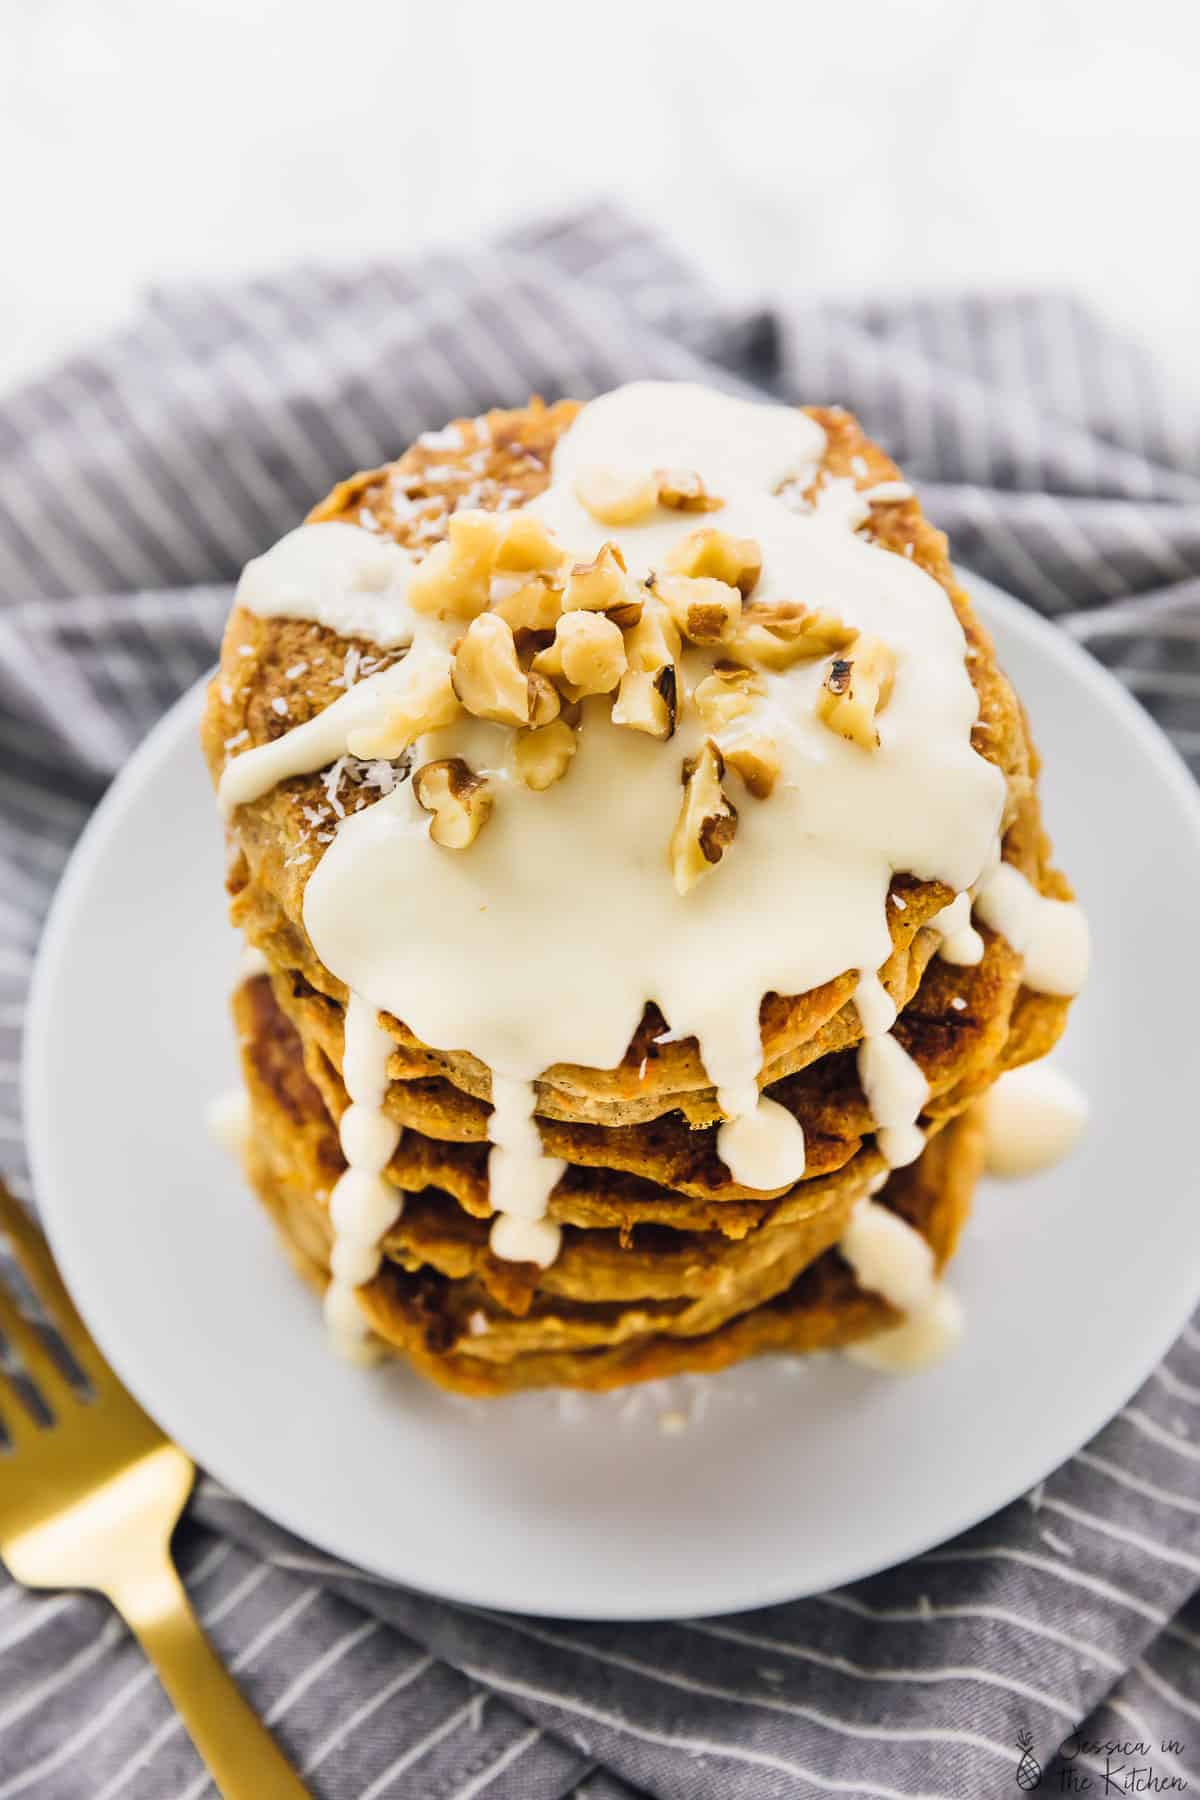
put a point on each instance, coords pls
(655, 1249)
(439, 1321)
(509, 454)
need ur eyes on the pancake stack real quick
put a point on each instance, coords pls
(665, 1261)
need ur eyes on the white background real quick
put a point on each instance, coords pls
(832, 147)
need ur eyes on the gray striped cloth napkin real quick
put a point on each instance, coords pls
(135, 479)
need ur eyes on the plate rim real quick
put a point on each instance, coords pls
(1175, 1308)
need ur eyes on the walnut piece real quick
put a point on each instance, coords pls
(545, 702)
(856, 689)
(535, 606)
(737, 561)
(616, 496)
(778, 633)
(653, 640)
(602, 585)
(705, 610)
(682, 490)
(455, 578)
(527, 545)
(426, 702)
(460, 801)
(587, 655)
(486, 675)
(707, 820)
(647, 701)
(543, 757)
(758, 762)
(726, 694)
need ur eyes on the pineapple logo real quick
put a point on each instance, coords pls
(1029, 1770)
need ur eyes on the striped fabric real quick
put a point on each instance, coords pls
(134, 481)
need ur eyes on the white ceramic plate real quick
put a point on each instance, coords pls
(790, 1477)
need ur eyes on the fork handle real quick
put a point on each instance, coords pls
(242, 1757)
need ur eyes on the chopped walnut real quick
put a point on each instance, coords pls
(602, 585)
(683, 491)
(647, 701)
(616, 496)
(626, 613)
(459, 800)
(705, 610)
(654, 640)
(758, 762)
(526, 545)
(856, 689)
(737, 561)
(487, 677)
(545, 703)
(543, 757)
(778, 633)
(455, 577)
(426, 702)
(726, 694)
(535, 606)
(588, 654)
(707, 820)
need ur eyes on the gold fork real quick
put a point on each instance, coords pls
(91, 1500)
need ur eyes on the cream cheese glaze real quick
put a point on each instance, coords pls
(362, 1206)
(889, 1258)
(1032, 1117)
(544, 942)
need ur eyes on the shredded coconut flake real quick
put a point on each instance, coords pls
(349, 674)
(450, 438)
(331, 780)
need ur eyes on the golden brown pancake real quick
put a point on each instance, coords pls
(667, 1263)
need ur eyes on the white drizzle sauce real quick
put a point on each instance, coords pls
(1032, 1117)
(339, 575)
(1051, 935)
(521, 1177)
(924, 1337)
(893, 1260)
(894, 1087)
(546, 939)
(228, 1120)
(888, 1257)
(961, 943)
(362, 1206)
(762, 1145)
(251, 962)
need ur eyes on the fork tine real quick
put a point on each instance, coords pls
(37, 1264)
(46, 1375)
(15, 1418)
